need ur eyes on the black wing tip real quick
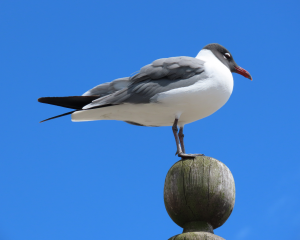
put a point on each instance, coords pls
(47, 99)
(41, 99)
(73, 102)
(61, 115)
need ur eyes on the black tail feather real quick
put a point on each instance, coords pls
(73, 102)
(61, 115)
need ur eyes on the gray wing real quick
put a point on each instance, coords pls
(170, 68)
(160, 76)
(108, 88)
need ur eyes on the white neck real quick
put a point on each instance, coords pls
(216, 70)
(205, 55)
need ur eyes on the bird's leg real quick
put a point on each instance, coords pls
(175, 130)
(181, 153)
(181, 136)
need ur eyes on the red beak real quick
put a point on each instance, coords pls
(243, 72)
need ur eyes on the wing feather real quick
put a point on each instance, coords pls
(162, 75)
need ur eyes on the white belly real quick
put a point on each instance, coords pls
(190, 103)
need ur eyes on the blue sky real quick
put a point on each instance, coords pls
(104, 179)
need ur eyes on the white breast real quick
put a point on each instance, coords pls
(219, 76)
(206, 96)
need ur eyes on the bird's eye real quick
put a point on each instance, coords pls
(227, 55)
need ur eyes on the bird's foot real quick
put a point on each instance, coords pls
(185, 155)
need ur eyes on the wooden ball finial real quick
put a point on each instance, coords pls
(199, 196)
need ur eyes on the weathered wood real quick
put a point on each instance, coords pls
(199, 226)
(196, 236)
(199, 196)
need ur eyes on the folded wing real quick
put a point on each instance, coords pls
(108, 88)
(160, 76)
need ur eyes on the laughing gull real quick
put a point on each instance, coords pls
(168, 92)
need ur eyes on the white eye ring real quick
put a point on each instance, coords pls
(227, 55)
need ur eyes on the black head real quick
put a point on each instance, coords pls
(226, 58)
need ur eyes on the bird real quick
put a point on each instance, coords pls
(170, 91)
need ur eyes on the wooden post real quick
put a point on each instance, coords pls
(199, 196)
